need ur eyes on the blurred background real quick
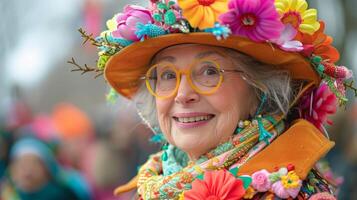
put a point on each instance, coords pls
(39, 94)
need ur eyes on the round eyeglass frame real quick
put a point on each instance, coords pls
(187, 72)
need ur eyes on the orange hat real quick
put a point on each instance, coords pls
(282, 33)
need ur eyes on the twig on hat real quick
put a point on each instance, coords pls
(114, 47)
(84, 69)
(88, 37)
(350, 86)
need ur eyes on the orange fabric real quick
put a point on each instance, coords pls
(301, 145)
(131, 185)
(124, 69)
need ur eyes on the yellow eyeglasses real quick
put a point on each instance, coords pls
(204, 76)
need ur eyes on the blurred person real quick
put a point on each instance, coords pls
(123, 147)
(34, 173)
(76, 133)
(18, 112)
(239, 105)
(5, 144)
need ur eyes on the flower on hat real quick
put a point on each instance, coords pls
(295, 12)
(256, 19)
(127, 21)
(202, 13)
(316, 106)
(216, 185)
(286, 42)
(319, 44)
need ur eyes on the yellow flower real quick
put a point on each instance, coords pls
(202, 13)
(295, 12)
(249, 193)
(291, 180)
(181, 196)
(111, 25)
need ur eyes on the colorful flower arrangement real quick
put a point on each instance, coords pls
(224, 184)
(284, 182)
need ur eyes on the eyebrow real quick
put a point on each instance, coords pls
(198, 56)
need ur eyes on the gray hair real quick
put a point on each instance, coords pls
(264, 79)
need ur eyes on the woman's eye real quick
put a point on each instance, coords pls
(210, 71)
(168, 75)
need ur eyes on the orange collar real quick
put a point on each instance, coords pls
(301, 145)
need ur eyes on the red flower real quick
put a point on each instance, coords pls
(216, 185)
(317, 105)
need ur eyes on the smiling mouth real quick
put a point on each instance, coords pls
(193, 119)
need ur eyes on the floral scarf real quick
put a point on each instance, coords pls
(153, 183)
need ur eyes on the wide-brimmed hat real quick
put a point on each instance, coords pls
(124, 69)
(282, 33)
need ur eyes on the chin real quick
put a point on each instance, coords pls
(191, 144)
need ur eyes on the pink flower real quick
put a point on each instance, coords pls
(256, 19)
(216, 185)
(126, 22)
(283, 192)
(317, 105)
(286, 42)
(260, 181)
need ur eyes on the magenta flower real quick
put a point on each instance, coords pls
(256, 19)
(126, 22)
(260, 181)
(317, 105)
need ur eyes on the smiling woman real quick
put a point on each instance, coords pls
(226, 87)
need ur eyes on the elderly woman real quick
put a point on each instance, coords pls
(229, 88)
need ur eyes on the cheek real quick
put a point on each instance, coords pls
(163, 114)
(233, 104)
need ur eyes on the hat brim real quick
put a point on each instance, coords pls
(124, 69)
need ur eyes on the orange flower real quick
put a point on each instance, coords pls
(319, 44)
(202, 13)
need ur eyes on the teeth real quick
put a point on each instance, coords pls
(192, 119)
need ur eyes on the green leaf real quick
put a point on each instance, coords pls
(317, 59)
(171, 3)
(164, 156)
(103, 59)
(200, 177)
(247, 180)
(157, 17)
(170, 17)
(234, 171)
(162, 6)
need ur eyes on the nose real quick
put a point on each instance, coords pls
(185, 93)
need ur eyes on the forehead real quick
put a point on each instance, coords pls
(188, 51)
